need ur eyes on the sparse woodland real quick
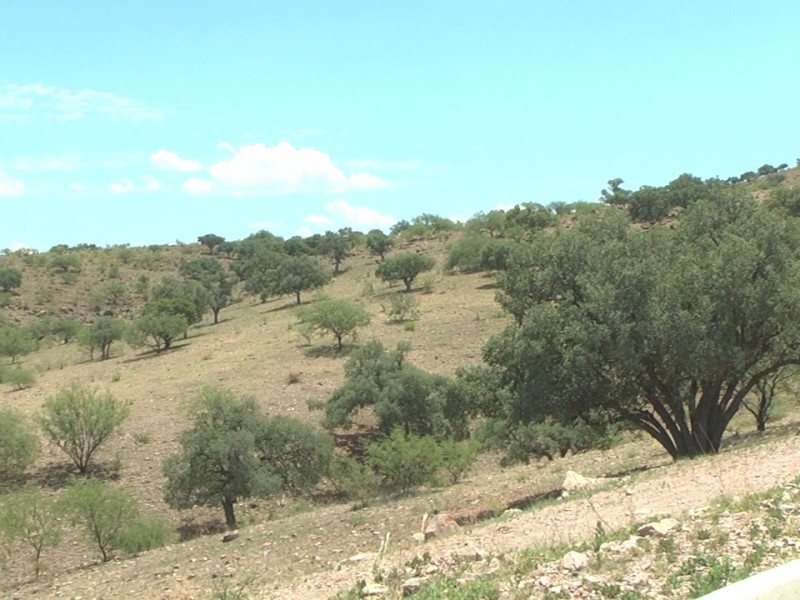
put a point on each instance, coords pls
(156, 395)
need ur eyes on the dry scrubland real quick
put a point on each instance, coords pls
(297, 549)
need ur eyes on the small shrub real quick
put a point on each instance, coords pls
(401, 307)
(405, 461)
(427, 284)
(409, 326)
(352, 479)
(19, 379)
(457, 457)
(18, 443)
(143, 534)
(116, 376)
(293, 378)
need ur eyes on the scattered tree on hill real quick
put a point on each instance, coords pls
(79, 420)
(291, 275)
(666, 329)
(102, 512)
(761, 401)
(492, 223)
(110, 298)
(19, 445)
(187, 298)
(233, 452)
(211, 241)
(156, 329)
(378, 243)
(404, 266)
(65, 263)
(16, 341)
(101, 334)
(10, 278)
(339, 318)
(216, 280)
(31, 517)
(65, 329)
(400, 394)
(336, 246)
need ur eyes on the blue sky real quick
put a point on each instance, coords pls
(149, 122)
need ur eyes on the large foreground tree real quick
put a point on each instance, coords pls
(666, 329)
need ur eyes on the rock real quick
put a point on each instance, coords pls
(419, 536)
(412, 584)
(511, 513)
(575, 481)
(362, 556)
(440, 524)
(229, 537)
(658, 528)
(574, 561)
(375, 589)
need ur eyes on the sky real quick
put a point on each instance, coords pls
(151, 122)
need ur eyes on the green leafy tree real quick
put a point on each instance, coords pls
(101, 334)
(339, 318)
(378, 243)
(293, 275)
(336, 246)
(65, 263)
(211, 241)
(466, 253)
(10, 279)
(110, 297)
(79, 420)
(101, 511)
(16, 341)
(492, 223)
(296, 453)
(219, 462)
(761, 401)
(65, 329)
(404, 266)
(19, 445)
(179, 297)
(31, 517)
(158, 330)
(216, 280)
(400, 394)
(668, 330)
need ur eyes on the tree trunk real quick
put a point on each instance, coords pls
(230, 517)
(297, 296)
(215, 310)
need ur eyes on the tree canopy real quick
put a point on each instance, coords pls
(404, 266)
(667, 329)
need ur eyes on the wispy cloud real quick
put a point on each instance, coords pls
(121, 187)
(49, 163)
(383, 165)
(343, 214)
(280, 169)
(124, 186)
(169, 161)
(10, 186)
(31, 101)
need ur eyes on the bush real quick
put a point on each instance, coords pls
(33, 518)
(337, 317)
(18, 378)
(142, 534)
(405, 461)
(457, 457)
(352, 478)
(103, 512)
(79, 420)
(18, 443)
(401, 307)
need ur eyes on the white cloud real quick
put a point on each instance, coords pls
(198, 186)
(25, 102)
(18, 246)
(318, 220)
(10, 186)
(284, 169)
(304, 231)
(505, 207)
(151, 184)
(48, 163)
(122, 187)
(76, 187)
(169, 161)
(360, 217)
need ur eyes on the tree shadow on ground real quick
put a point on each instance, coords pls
(329, 351)
(149, 354)
(60, 475)
(282, 307)
(190, 529)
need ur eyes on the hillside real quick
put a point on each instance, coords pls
(301, 548)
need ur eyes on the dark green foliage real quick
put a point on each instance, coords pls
(339, 318)
(424, 225)
(18, 378)
(9, 279)
(786, 199)
(31, 517)
(234, 452)
(143, 533)
(667, 329)
(187, 298)
(378, 243)
(465, 254)
(19, 445)
(79, 420)
(16, 341)
(456, 457)
(404, 266)
(211, 241)
(296, 246)
(336, 246)
(157, 330)
(215, 279)
(492, 223)
(101, 334)
(524, 220)
(102, 512)
(655, 203)
(405, 460)
(293, 275)
(65, 329)
(400, 394)
(352, 478)
(110, 298)
(296, 453)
